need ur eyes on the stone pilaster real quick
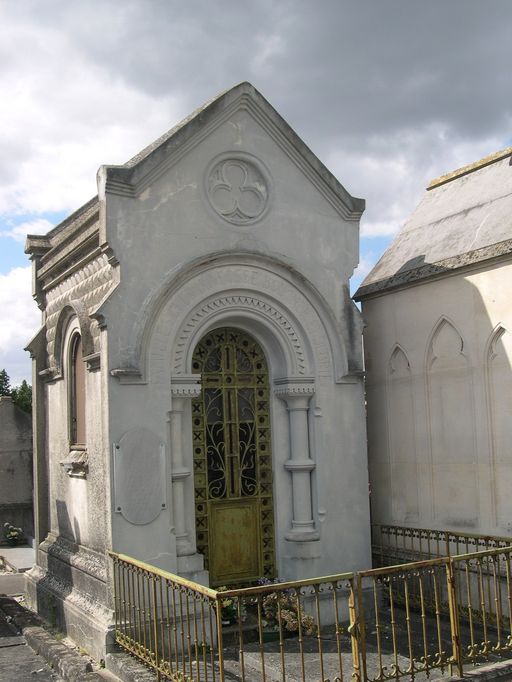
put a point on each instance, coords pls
(297, 393)
(184, 388)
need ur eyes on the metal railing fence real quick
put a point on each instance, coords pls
(169, 623)
(385, 623)
(400, 544)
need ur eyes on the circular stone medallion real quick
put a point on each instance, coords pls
(237, 190)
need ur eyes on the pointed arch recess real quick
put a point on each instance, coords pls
(446, 328)
(498, 371)
(451, 415)
(398, 356)
(402, 438)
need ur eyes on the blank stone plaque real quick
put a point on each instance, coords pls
(139, 476)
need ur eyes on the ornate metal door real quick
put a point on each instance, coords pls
(232, 459)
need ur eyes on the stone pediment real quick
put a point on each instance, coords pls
(135, 176)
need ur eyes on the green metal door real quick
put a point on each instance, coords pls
(232, 459)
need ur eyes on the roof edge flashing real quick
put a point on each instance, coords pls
(470, 168)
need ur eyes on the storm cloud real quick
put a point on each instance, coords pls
(388, 93)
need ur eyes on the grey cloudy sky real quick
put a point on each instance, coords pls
(388, 93)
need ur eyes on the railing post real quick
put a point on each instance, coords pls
(454, 619)
(357, 628)
(220, 644)
(155, 626)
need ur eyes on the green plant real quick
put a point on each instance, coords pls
(230, 609)
(22, 396)
(11, 533)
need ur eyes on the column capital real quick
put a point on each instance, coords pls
(185, 385)
(295, 391)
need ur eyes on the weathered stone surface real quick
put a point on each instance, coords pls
(228, 220)
(15, 468)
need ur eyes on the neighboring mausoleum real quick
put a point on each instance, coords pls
(198, 374)
(438, 352)
(15, 469)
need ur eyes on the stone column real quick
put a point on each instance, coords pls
(296, 393)
(183, 389)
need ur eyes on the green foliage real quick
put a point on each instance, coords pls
(5, 383)
(22, 396)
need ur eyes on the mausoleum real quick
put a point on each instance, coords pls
(198, 373)
(438, 352)
(15, 468)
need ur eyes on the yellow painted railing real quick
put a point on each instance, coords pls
(381, 624)
(401, 544)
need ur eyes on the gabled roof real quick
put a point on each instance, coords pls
(133, 177)
(464, 218)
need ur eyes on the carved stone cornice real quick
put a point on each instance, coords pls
(186, 386)
(289, 387)
(127, 375)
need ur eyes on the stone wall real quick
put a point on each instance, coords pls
(439, 382)
(15, 468)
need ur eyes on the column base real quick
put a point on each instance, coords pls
(302, 535)
(191, 567)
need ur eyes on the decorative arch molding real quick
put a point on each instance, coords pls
(134, 365)
(56, 350)
(447, 328)
(493, 340)
(259, 307)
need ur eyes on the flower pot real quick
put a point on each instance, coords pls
(12, 542)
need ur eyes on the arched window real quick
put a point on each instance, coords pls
(77, 392)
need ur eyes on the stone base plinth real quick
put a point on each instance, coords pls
(69, 590)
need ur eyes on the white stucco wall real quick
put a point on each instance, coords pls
(439, 380)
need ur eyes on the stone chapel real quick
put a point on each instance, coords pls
(197, 376)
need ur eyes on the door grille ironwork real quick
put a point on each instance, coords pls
(231, 437)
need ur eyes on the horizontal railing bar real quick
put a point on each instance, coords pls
(439, 561)
(484, 552)
(202, 589)
(276, 587)
(446, 533)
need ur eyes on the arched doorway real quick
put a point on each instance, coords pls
(233, 459)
